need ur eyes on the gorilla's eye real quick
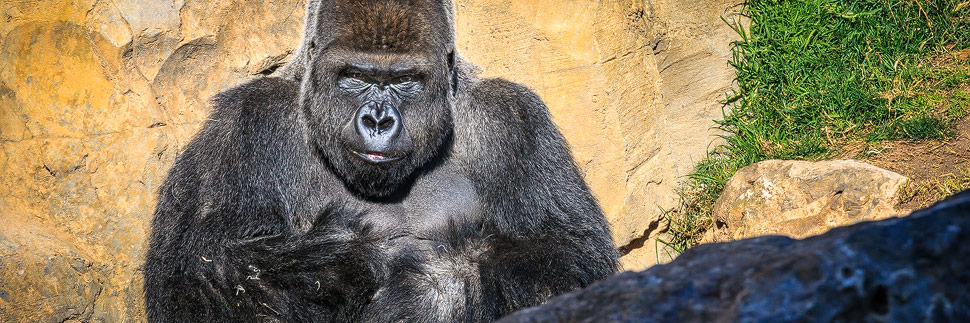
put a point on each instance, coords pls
(404, 79)
(359, 77)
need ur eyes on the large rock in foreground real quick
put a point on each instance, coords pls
(913, 269)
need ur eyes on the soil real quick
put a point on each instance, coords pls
(936, 169)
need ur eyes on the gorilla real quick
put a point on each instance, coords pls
(375, 178)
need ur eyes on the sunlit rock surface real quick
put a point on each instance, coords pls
(800, 198)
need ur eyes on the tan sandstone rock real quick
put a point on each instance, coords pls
(800, 199)
(98, 96)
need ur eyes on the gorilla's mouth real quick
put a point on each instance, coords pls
(375, 158)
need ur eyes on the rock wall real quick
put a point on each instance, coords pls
(98, 96)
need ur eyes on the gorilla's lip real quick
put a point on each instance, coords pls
(376, 158)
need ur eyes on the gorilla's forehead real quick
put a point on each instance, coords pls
(386, 25)
(374, 62)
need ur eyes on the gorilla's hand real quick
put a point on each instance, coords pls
(338, 259)
(328, 268)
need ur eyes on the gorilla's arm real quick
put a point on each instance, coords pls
(224, 245)
(546, 233)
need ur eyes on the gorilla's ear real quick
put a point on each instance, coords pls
(453, 68)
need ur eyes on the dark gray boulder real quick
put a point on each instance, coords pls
(911, 269)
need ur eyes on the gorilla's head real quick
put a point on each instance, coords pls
(377, 89)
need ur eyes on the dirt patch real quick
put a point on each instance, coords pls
(936, 169)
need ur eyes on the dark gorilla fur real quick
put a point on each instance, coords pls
(271, 214)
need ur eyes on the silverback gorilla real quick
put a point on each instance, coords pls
(374, 179)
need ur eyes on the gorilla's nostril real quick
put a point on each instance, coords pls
(385, 124)
(369, 122)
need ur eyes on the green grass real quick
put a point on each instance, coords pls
(814, 75)
(938, 189)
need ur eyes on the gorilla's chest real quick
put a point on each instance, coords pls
(433, 246)
(438, 204)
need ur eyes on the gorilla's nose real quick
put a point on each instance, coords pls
(379, 125)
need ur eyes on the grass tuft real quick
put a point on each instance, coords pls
(814, 75)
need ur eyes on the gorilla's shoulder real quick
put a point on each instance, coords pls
(260, 89)
(503, 96)
(500, 86)
(249, 124)
(512, 109)
(255, 112)
(259, 96)
(501, 124)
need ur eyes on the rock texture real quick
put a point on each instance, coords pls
(913, 269)
(98, 96)
(800, 199)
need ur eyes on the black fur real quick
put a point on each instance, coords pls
(267, 216)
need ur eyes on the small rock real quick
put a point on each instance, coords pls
(800, 198)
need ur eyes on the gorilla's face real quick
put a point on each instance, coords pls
(377, 116)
